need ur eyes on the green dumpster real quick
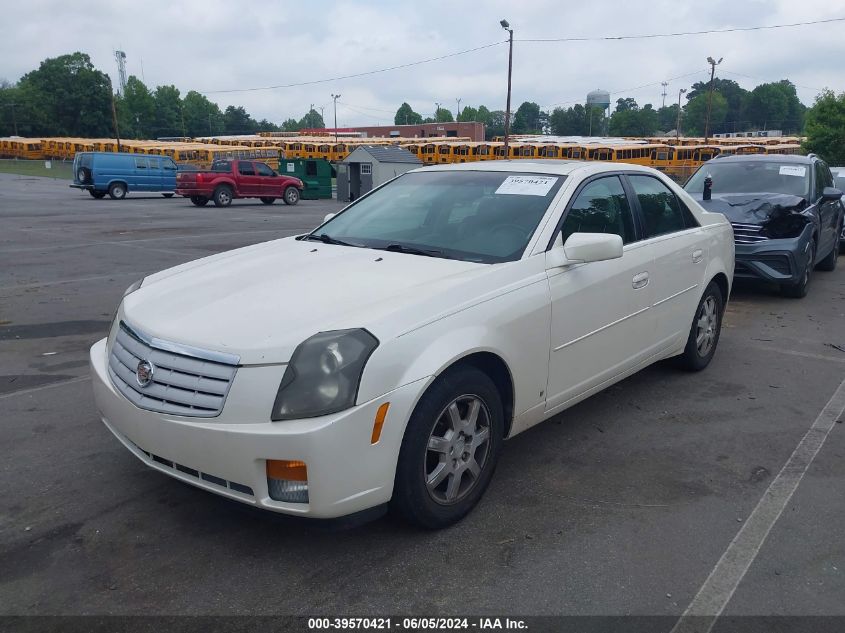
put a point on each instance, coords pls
(316, 173)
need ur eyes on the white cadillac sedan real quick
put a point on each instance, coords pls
(381, 360)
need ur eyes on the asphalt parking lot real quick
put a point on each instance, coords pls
(622, 505)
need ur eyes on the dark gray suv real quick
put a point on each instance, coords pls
(839, 183)
(786, 214)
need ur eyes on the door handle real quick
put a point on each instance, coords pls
(697, 256)
(640, 280)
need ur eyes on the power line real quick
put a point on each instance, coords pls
(678, 34)
(363, 74)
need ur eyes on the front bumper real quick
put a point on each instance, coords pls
(779, 261)
(346, 473)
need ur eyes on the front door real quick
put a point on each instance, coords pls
(249, 185)
(268, 181)
(600, 324)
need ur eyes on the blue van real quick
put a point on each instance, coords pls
(104, 173)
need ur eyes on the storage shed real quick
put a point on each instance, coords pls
(369, 166)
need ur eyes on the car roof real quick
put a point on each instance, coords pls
(772, 158)
(555, 167)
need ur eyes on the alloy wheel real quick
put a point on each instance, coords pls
(706, 326)
(457, 450)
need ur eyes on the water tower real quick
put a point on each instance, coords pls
(599, 99)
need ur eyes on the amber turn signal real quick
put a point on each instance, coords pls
(381, 414)
(287, 469)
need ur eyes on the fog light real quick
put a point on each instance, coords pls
(287, 480)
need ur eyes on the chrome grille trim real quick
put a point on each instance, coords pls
(190, 382)
(748, 233)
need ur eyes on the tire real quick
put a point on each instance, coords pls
(222, 196)
(828, 264)
(291, 195)
(705, 330)
(268, 200)
(97, 194)
(461, 486)
(199, 201)
(799, 290)
(83, 175)
(167, 195)
(117, 191)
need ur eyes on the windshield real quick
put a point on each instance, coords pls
(753, 176)
(479, 216)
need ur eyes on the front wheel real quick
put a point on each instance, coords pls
(117, 191)
(799, 290)
(222, 197)
(704, 331)
(268, 200)
(199, 201)
(450, 449)
(828, 264)
(291, 195)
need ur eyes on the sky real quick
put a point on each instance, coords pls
(213, 46)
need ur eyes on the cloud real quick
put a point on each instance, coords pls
(211, 45)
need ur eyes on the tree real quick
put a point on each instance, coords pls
(312, 119)
(495, 125)
(572, 121)
(483, 115)
(268, 126)
(443, 116)
(168, 112)
(236, 120)
(695, 113)
(405, 115)
(291, 125)
(468, 114)
(734, 94)
(667, 117)
(633, 121)
(774, 106)
(67, 96)
(528, 119)
(136, 110)
(202, 117)
(628, 103)
(825, 128)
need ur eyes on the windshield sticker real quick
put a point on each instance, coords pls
(527, 185)
(793, 170)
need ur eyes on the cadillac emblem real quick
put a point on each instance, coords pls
(144, 373)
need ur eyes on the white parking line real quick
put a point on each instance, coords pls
(719, 588)
(24, 392)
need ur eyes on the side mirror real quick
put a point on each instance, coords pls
(831, 194)
(581, 248)
(328, 217)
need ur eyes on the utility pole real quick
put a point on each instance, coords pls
(663, 94)
(458, 112)
(114, 117)
(713, 63)
(678, 124)
(334, 99)
(506, 25)
(436, 112)
(210, 129)
(310, 117)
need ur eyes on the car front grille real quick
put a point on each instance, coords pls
(184, 380)
(748, 233)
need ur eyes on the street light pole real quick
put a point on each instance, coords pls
(678, 124)
(334, 99)
(713, 63)
(507, 27)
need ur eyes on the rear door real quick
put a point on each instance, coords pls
(679, 248)
(249, 184)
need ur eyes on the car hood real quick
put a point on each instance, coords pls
(260, 302)
(754, 208)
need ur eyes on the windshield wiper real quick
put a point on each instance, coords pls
(412, 250)
(328, 239)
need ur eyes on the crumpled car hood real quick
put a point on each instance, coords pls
(755, 208)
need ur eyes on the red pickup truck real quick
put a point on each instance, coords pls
(230, 179)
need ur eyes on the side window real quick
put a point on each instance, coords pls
(263, 170)
(366, 169)
(819, 180)
(246, 169)
(140, 163)
(169, 164)
(601, 207)
(661, 211)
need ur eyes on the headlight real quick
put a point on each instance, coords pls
(133, 287)
(323, 374)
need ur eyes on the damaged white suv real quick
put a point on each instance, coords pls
(383, 358)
